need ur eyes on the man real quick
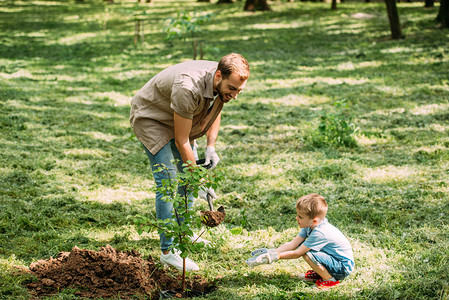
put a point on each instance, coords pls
(177, 106)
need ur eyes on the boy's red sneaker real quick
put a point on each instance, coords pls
(310, 276)
(326, 284)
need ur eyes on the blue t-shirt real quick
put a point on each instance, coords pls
(327, 238)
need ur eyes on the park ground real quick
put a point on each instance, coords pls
(72, 172)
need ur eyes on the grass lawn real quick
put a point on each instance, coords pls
(73, 173)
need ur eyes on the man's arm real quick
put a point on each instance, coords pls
(183, 127)
(212, 133)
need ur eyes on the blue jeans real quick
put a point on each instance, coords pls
(333, 266)
(164, 210)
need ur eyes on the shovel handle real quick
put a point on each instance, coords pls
(209, 201)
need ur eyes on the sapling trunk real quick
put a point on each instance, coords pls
(180, 225)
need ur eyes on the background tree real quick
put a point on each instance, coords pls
(443, 14)
(428, 3)
(393, 16)
(254, 5)
(334, 5)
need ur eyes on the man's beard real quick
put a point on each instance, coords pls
(220, 93)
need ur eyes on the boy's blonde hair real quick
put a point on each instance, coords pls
(313, 205)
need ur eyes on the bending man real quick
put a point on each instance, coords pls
(177, 106)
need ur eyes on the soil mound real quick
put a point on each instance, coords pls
(107, 273)
(213, 218)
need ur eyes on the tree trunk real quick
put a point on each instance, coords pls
(443, 14)
(224, 1)
(256, 5)
(393, 16)
(194, 49)
(334, 5)
(208, 1)
(428, 3)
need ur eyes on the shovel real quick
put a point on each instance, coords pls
(211, 218)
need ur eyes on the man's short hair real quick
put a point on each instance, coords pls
(233, 62)
(313, 205)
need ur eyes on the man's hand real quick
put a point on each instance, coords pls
(211, 157)
(202, 193)
(264, 258)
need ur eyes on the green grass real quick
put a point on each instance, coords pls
(72, 172)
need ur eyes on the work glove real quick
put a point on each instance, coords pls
(264, 258)
(195, 150)
(202, 193)
(262, 251)
(211, 157)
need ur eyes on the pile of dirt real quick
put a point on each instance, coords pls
(213, 218)
(108, 273)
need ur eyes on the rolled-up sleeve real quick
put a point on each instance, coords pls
(183, 101)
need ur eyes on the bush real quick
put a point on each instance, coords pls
(336, 129)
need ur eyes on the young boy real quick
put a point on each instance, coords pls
(323, 247)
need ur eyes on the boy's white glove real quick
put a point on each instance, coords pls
(211, 157)
(264, 258)
(202, 193)
(262, 250)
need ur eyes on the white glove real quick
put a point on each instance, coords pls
(262, 250)
(202, 193)
(195, 150)
(211, 157)
(264, 258)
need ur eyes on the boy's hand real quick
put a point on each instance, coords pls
(261, 251)
(264, 258)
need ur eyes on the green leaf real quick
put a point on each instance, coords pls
(236, 230)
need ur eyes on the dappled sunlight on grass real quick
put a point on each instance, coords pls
(254, 169)
(107, 137)
(117, 98)
(392, 174)
(85, 153)
(374, 266)
(295, 100)
(363, 140)
(107, 195)
(429, 109)
(276, 25)
(19, 74)
(73, 173)
(74, 39)
(332, 81)
(392, 90)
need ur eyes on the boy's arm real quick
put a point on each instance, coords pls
(294, 253)
(288, 250)
(292, 245)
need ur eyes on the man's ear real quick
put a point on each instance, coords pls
(218, 75)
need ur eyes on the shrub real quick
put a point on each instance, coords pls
(336, 129)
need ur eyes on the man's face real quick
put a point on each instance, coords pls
(230, 87)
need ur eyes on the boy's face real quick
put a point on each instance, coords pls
(304, 220)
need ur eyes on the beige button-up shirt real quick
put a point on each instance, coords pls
(185, 88)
